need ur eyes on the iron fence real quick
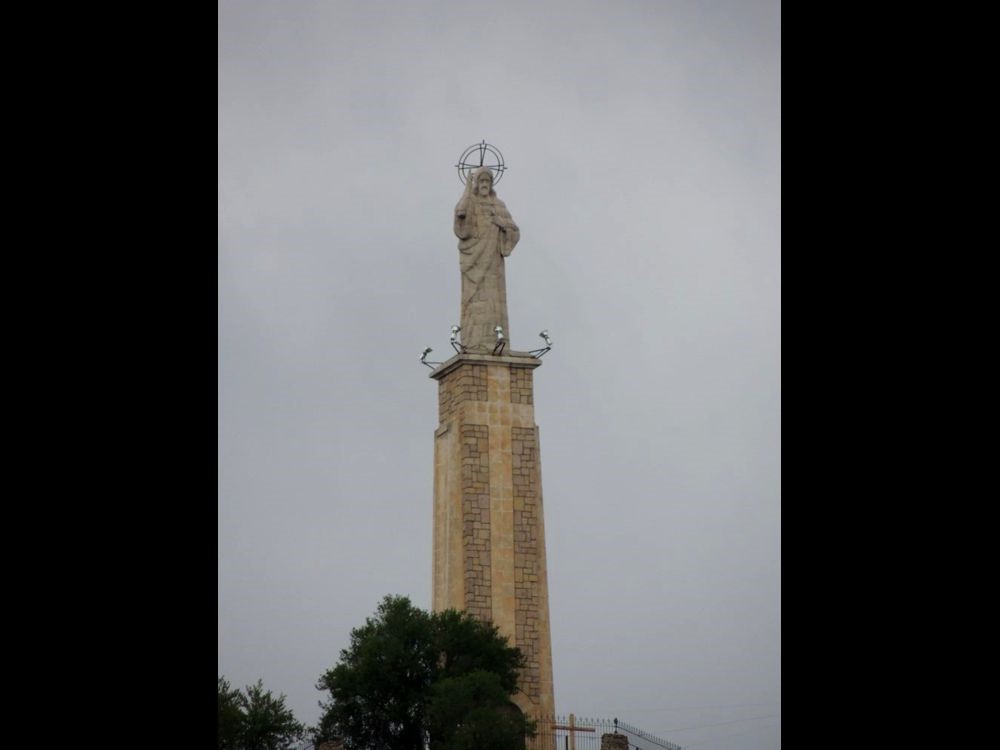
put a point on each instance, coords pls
(583, 733)
(577, 733)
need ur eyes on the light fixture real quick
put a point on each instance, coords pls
(500, 342)
(539, 353)
(423, 358)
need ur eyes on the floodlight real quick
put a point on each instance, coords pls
(454, 338)
(423, 358)
(539, 353)
(500, 342)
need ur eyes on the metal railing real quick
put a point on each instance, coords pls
(583, 733)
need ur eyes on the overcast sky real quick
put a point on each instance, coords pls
(642, 141)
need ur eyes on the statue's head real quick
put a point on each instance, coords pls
(482, 182)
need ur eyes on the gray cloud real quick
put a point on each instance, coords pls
(643, 145)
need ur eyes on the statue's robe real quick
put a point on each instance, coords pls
(482, 247)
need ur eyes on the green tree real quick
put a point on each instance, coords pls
(255, 720)
(230, 716)
(473, 712)
(410, 677)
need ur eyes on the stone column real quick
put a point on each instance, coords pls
(614, 741)
(489, 531)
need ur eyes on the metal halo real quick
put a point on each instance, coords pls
(486, 153)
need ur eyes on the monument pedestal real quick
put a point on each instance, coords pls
(489, 532)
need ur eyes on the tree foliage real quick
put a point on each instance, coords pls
(410, 677)
(472, 712)
(255, 720)
(230, 716)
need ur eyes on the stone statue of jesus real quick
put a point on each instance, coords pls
(486, 235)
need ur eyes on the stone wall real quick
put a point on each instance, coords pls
(467, 383)
(476, 520)
(521, 386)
(524, 459)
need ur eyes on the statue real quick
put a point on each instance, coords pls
(486, 235)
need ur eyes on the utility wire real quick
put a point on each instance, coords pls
(727, 736)
(690, 708)
(720, 723)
